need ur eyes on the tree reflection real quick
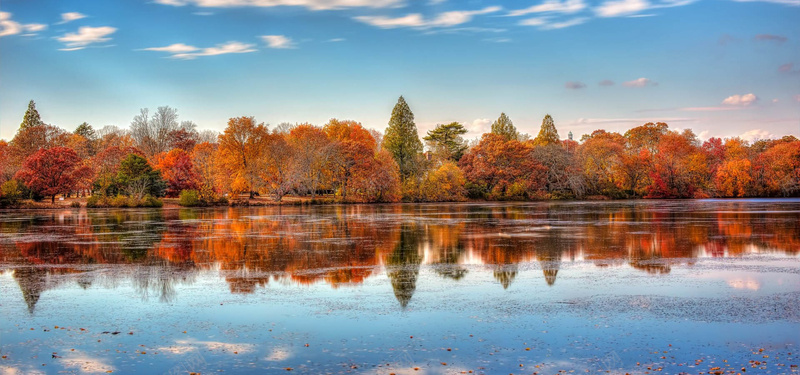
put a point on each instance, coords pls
(402, 264)
(343, 245)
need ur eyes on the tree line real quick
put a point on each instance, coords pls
(344, 161)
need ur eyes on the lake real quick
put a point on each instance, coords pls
(684, 286)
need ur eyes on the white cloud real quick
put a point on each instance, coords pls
(552, 6)
(620, 8)
(416, 20)
(278, 41)
(71, 16)
(478, 126)
(756, 134)
(336, 40)
(34, 27)
(187, 52)
(11, 27)
(174, 48)
(85, 36)
(640, 82)
(310, 4)
(797, 98)
(740, 100)
(536, 21)
(543, 23)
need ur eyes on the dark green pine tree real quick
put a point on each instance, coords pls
(503, 126)
(402, 140)
(446, 138)
(32, 117)
(548, 135)
(85, 130)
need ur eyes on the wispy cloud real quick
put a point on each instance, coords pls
(11, 27)
(797, 98)
(309, 4)
(770, 38)
(551, 6)
(544, 23)
(574, 85)
(622, 8)
(640, 82)
(173, 48)
(71, 16)
(606, 83)
(86, 36)
(278, 41)
(744, 100)
(336, 40)
(416, 20)
(187, 52)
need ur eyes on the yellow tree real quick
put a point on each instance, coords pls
(240, 147)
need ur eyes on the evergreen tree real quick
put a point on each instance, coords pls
(138, 178)
(446, 139)
(504, 127)
(548, 135)
(401, 138)
(32, 117)
(86, 131)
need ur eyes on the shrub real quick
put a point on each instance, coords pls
(190, 198)
(10, 193)
(75, 204)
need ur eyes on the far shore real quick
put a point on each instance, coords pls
(243, 201)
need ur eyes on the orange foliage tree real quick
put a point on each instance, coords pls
(52, 171)
(177, 170)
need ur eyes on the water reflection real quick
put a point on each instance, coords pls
(345, 245)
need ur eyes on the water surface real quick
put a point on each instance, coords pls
(633, 286)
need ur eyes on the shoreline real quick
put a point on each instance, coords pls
(172, 203)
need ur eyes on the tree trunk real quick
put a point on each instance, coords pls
(53, 199)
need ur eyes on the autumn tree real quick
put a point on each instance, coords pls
(444, 184)
(678, 167)
(445, 141)
(205, 169)
(780, 166)
(646, 136)
(240, 147)
(32, 117)
(31, 139)
(562, 176)
(277, 167)
(505, 128)
(137, 178)
(548, 135)
(6, 171)
(500, 168)
(51, 171)
(313, 151)
(600, 158)
(401, 139)
(177, 170)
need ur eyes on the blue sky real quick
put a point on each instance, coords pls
(722, 68)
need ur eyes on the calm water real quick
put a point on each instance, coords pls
(639, 286)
